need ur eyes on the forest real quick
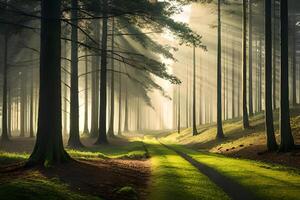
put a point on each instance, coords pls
(150, 100)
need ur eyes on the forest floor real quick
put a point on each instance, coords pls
(116, 171)
(239, 143)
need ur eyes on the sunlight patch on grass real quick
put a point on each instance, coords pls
(265, 180)
(8, 158)
(176, 179)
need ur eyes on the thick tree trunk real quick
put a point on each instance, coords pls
(102, 139)
(245, 110)
(194, 91)
(4, 136)
(287, 141)
(220, 133)
(49, 146)
(74, 137)
(95, 87)
(110, 132)
(250, 59)
(271, 140)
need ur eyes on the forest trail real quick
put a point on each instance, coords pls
(234, 190)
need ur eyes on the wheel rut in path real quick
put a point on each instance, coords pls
(234, 190)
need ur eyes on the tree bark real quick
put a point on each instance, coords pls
(178, 113)
(271, 140)
(102, 139)
(86, 96)
(220, 133)
(250, 59)
(287, 141)
(49, 148)
(245, 110)
(194, 91)
(110, 132)
(120, 102)
(74, 137)
(126, 128)
(31, 131)
(4, 136)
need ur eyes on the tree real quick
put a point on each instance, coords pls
(49, 148)
(120, 102)
(250, 58)
(271, 140)
(74, 137)
(178, 112)
(220, 133)
(102, 139)
(194, 91)
(86, 95)
(110, 132)
(244, 76)
(287, 141)
(4, 136)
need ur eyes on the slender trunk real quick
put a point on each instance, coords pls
(187, 97)
(4, 136)
(102, 139)
(287, 141)
(120, 102)
(260, 73)
(178, 117)
(65, 98)
(294, 85)
(233, 78)
(49, 145)
(31, 133)
(271, 140)
(23, 103)
(250, 59)
(95, 87)
(86, 96)
(194, 91)
(220, 133)
(245, 110)
(74, 137)
(110, 132)
(126, 129)
(274, 56)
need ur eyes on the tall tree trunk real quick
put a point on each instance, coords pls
(23, 97)
(260, 73)
(86, 96)
(250, 59)
(95, 86)
(126, 128)
(245, 110)
(110, 132)
(31, 131)
(65, 94)
(4, 136)
(74, 137)
(187, 97)
(120, 102)
(274, 55)
(294, 74)
(178, 112)
(49, 145)
(233, 78)
(194, 91)
(287, 141)
(220, 133)
(102, 139)
(271, 140)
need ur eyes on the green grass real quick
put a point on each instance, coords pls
(40, 189)
(8, 158)
(265, 180)
(132, 150)
(176, 179)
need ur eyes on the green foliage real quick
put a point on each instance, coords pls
(8, 158)
(127, 192)
(176, 179)
(37, 188)
(267, 181)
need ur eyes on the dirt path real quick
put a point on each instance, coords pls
(234, 190)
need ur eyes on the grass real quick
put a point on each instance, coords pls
(176, 179)
(267, 181)
(7, 158)
(38, 188)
